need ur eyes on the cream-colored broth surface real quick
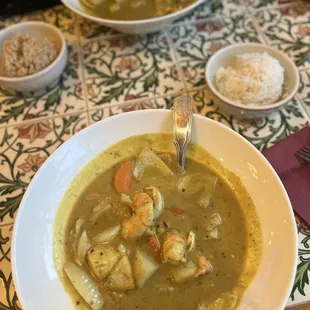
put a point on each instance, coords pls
(235, 254)
(133, 9)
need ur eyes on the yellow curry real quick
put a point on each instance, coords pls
(131, 233)
(133, 9)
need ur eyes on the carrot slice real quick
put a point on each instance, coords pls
(154, 243)
(123, 178)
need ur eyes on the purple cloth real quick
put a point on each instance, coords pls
(293, 171)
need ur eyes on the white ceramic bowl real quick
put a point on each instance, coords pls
(226, 57)
(36, 280)
(132, 26)
(49, 76)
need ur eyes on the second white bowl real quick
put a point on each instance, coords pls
(226, 57)
(132, 26)
(49, 76)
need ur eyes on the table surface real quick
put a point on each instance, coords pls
(110, 73)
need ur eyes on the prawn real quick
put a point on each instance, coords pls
(143, 217)
(174, 248)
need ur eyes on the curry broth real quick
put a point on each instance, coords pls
(127, 12)
(235, 255)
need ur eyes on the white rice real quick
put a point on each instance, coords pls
(255, 78)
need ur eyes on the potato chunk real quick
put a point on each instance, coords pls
(121, 278)
(101, 259)
(144, 268)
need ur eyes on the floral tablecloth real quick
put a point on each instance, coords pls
(110, 73)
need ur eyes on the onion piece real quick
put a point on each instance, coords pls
(207, 193)
(214, 221)
(149, 158)
(184, 273)
(123, 250)
(85, 285)
(212, 234)
(144, 268)
(83, 246)
(126, 200)
(191, 241)
(78, 226)
(158, 199)
(107, 235)
(99, 210)
(225, 302)
(191, 184)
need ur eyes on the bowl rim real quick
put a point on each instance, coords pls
(288, 285)
(61, 52)
(258, 107)
(130, 22)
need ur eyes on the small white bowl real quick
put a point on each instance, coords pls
(226, 57)
(50, 75)
(132, 26)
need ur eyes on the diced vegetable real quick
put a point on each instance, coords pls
(191, 241)
(136, 3)
(153, 243)
(121, 278)
(212, 234)
(78, 226)
(85, 285)
(166, 157)
(91, 197)
(101, 259)
(114, 7)
(158, 199)
(149, 158)
(83, 246)
(126, 200)
(144, 268)
(191, 184)
(162, 289)
(207, 193)
(123, 178)
(194, 183)
(123, 249)
(214, 221)
(93, 3)
(107, 235)
(225, 302)
(176, 211)
(151, 231)
(184, 273)
(203, 266)
(99, 210)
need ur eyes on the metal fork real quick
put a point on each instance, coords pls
(304, 153)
